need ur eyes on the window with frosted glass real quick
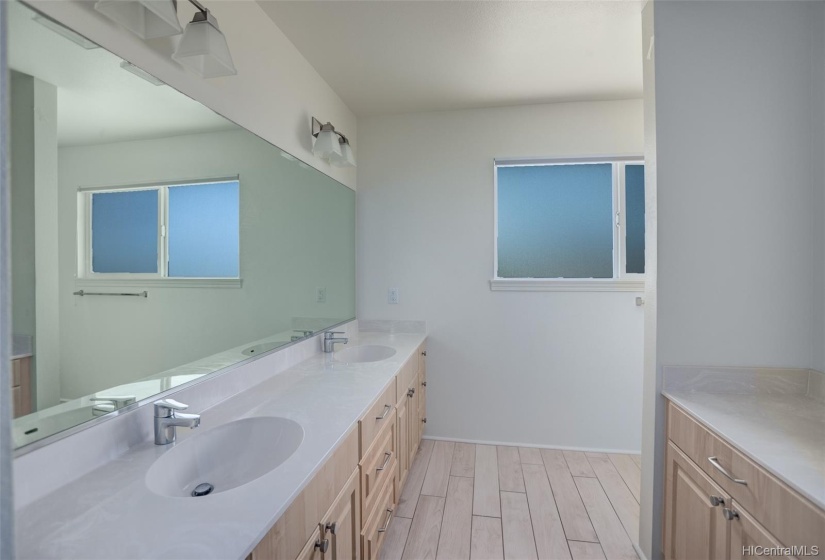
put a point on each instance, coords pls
(125, 232)
(555, 221)
(634, 219)
(203, 230)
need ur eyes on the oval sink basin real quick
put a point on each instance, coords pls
(367, 353)
(224, 457)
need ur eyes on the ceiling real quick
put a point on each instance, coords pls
(386, 57)
(98, 101)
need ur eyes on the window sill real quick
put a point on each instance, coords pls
(565, 285)
(160, 282)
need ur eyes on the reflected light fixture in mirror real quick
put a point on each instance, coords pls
(148, 19)
(203, 48)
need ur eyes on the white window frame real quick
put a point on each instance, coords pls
(87, 276)
(621, 281)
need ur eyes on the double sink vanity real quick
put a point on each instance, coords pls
(309, 463)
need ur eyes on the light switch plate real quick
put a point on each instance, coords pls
(392, 296)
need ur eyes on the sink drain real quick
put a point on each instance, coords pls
(202, 489)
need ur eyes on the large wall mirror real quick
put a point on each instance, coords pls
(153, 241)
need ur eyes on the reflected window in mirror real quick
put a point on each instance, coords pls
(167, 231)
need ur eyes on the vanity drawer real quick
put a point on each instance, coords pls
(379, 415)
(375, 529)
(379, 463)
(788, 516)
(313, 548)
(406, 377)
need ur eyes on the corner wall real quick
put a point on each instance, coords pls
(737, 153)
(274, 95)
(544, 368)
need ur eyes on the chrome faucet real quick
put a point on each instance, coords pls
(168, 417)
(330, 340)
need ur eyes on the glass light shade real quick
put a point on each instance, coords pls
(147, 19)
(346, 159)
(203, 49)
(326, 144)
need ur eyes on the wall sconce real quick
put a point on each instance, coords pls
(203, 47)
(331, 145)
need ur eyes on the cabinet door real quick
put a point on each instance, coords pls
(341, 525)
(414, 422)
(314, 547)
(694, 527)
(747, 535)
(422, 401)
(403, 436)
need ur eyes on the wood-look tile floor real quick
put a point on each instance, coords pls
(484, 502)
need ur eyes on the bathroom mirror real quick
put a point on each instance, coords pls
(153, 241)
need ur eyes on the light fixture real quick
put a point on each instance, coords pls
(203, 47)
(75, 38)
(148, 19)
(331, 145)
(140, 73)
(326, 140)
(347, 158)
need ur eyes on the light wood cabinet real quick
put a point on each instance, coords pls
(341, 526)
(710, 515)
(21, 387)
(313, 549)
(403, 431)
(746, 534)
(695, 526)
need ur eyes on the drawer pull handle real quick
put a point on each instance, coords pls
(410, 392)
(730, 514)
(387, 522)
(322, 545)
(387, 409)
(717, 501)
(388, 456)
(715, 462)
(424, 383)
(330, 528)
(424, 353)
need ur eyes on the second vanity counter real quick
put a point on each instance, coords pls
(110, 513)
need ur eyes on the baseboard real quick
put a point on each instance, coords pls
(515, 444)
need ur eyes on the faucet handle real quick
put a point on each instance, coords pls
(165, 407)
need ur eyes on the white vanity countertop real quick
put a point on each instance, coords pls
(783, 433)
(110, 513)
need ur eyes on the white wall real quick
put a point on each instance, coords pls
(544, 368)
(297, 232)
(275, 93)
(738, 150)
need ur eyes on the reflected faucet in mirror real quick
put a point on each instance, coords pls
(168, 417)
(105, 404)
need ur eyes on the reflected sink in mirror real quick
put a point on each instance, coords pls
(262, 348)
(363, 354)
(224, 457)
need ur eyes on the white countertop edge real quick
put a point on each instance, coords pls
(818, 501)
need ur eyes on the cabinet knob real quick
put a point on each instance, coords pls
(330, 528)
(424, 420)
(717, 501)
(424, 353)
(730, 514)
(424, 383)
(322, 545)
(410, 392)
